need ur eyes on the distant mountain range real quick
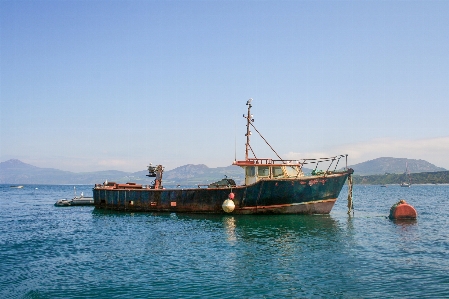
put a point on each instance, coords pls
(17, 172)
(387, 165)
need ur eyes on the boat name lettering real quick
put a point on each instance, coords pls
(316, 181)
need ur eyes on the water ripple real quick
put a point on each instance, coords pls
(79, 252)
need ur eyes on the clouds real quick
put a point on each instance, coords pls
(433, 150)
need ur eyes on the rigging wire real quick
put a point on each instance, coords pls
(265, 142)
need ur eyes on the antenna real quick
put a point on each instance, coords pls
(235, 140)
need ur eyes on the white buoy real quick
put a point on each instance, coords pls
(228, 206)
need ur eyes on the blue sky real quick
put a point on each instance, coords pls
(99, 85)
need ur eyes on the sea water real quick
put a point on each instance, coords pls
(80, 252)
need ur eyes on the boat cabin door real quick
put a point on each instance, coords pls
(250, 175)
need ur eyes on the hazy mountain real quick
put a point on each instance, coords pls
(17, 172)
(393, 165)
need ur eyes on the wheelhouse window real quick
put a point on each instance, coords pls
(263, 171)
(250, 171)
(277, 171)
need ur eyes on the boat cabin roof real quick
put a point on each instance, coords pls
(266, 162)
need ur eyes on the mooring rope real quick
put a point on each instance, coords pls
(350, 203)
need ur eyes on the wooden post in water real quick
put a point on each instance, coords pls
(350, 204)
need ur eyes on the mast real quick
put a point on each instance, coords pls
(248, 132)
(408, 174)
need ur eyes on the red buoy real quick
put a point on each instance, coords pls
(402, 210)
(231, 196)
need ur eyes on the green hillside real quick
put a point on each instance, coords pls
(439, 177)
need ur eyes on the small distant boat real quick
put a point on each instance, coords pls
(76, 201)
(407, 175)
(383, 185)
(63, 202)
(17, 187)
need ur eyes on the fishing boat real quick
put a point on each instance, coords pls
(271, 186)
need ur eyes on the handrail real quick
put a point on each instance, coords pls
(292, 162)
